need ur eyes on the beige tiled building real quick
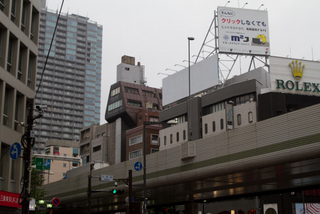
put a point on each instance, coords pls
(64, 151)
(19, 26)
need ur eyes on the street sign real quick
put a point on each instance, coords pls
(43, 164)
(46, 164)
(15, 150)
(55, 201)
(138, 166)
(39, 163)
(106, 178)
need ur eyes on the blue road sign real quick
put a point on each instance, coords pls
(15, 150)
(138, 166)
(46, 164)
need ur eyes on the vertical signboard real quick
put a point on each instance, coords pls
(243, 31)
(229, 116)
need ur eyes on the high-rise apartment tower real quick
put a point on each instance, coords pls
(71, 83)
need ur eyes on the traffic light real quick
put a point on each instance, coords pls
(117, 191)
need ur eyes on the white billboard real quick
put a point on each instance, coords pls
(204, 75)
(243, 31)
(294, 76)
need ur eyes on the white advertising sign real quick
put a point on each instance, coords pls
(204, 75)
(243, 31)
(294, 76)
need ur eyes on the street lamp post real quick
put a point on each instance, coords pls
(145, 123)
(189, 104)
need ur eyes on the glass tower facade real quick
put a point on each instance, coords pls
(71, 82)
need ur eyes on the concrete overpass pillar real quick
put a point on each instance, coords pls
(191, 208)
(286, 203)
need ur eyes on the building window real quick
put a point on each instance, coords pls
(134, 103)
(64, 165)
(184, 134)
(171, 139)
(206, 128)
(96, 148)
(13, 10)
(34, 25)
(250, 117)
(177, 136)
(115, 91)
(13, 170)
(135, 140)
(2, 4)
(213, 126)
(148, 93)
(131, 90)
(4, 149)
(115, 105)
(154, 139)
(239, 119)
(24, 15)
(221, 124)
(154, 150)
(135, 154)
(18, 111)
(6, 107)
(154, 119)
(31, 70)
(10, 54)
(165, 140)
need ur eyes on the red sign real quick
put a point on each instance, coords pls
(55, 201)
(9, 199)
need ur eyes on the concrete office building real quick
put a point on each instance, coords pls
(93, 144)
(130, 103)
(71, 82)
(19, 21)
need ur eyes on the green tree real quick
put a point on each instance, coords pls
(36, 183)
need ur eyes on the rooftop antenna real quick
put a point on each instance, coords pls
(227, 3)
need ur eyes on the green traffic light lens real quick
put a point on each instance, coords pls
(49, 205)
(41, 201)
(114, 191)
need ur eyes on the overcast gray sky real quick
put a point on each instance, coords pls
(155, 31)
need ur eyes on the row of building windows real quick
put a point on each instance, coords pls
(184, 135)
(13, 107)
(250, 120)
(138, 139)
(138, 153)
(20, 18)
(115, 105)
(17, 59)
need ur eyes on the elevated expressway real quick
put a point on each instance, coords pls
(277, 155)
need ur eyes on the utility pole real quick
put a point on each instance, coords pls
(27, 143)
(27, 158)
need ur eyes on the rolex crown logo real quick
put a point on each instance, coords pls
(297, 69)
